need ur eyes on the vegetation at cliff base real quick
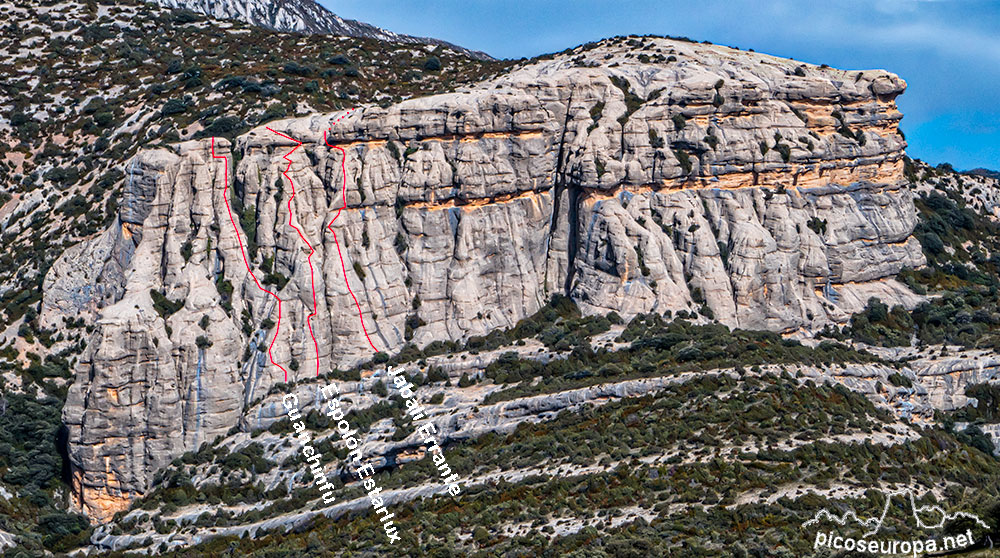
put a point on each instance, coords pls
(31, 471)
(658, 347)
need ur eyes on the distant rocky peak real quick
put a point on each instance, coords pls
(301, 16)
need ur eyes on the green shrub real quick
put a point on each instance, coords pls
(877, 325)
(274, 111)
(684, 160)
(248, 458)
(339, 60)
(63, 531)
(224, 126)
(248, 222)
(596, 112)
(103, 119)
(225, 289)
(632, 101)
(275, 279)
(785, 150)
(164, 306)
(173, 106)
(817, 225)
(987, 408)
(75, 206)
(432, 64)
(297, 69)
(655, 140)
(899, 380)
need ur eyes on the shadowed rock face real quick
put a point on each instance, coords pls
(676, 177)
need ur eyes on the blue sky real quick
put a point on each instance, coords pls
(948, 51)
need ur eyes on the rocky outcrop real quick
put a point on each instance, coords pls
(947, 377)
(757, 191)
(150, 385)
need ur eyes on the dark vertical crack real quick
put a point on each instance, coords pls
(559, 169)
(62, 446)
(560, 186)
(573, 212)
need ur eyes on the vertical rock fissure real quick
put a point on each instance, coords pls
(572, 215)
(198, 397)
(558, 186)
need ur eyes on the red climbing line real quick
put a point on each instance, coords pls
(312, 274)
(343, 116)
(343, 171)
(239, 239)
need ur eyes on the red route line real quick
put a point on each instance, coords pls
(312, 250)
(239, 239)
(312, 273)
(343, 171)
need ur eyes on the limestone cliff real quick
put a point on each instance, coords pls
(635, 175)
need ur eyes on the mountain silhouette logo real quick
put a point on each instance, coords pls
(874, 524)
(927, 517)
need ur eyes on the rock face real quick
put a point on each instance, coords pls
(148, 389)
(755, 190)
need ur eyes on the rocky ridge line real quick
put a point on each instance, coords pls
(303, 16)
